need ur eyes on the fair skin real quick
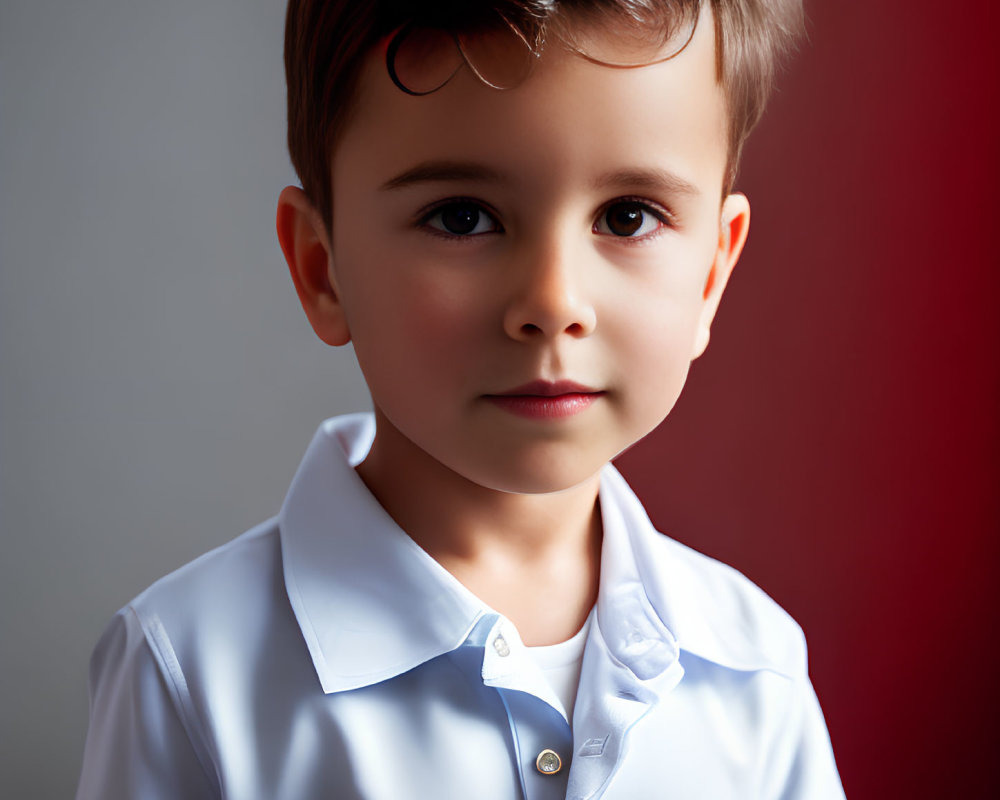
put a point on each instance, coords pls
(488, 245)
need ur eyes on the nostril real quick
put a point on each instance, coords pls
(530, 328)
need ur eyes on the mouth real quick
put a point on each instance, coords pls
(546, 399)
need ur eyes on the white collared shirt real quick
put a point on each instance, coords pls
(325, 654)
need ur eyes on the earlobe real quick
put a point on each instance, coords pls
(307, 250)
(734, 225)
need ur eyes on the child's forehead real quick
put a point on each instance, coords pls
(567, 109)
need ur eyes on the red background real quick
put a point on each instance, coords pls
(839, 441)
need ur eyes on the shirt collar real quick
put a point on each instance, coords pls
(707, 608)
(372, 604)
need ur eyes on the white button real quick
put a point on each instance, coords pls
(501, 646)
(548, 762)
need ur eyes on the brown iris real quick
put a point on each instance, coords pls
(624, 219)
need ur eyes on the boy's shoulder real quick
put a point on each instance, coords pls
(237, 580)
(246, 575)
(739, 621)
(715, 612)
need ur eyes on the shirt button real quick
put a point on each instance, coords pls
(501, 646)
(548, 762)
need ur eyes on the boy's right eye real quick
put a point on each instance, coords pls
(460, 218)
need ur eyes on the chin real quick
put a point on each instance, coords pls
(536, 478)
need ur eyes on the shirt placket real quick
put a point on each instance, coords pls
(619, 684)
(541, 737)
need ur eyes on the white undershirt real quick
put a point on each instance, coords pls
(561, 663)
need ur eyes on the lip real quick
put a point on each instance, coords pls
(548, 389)
(547, 399)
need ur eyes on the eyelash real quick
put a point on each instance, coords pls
(662, 215)
(658, 212)
(427, 214)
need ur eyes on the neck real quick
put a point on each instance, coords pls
(517, 552)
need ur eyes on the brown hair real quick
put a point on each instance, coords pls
(327, 41)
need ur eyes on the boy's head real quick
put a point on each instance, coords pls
(525, 274)
(327, 41)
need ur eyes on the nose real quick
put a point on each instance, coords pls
(549, 298)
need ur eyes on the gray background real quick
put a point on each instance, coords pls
(158, 380)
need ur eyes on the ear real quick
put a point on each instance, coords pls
(306, 246)
(734, 225)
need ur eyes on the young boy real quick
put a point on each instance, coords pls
(520, 215)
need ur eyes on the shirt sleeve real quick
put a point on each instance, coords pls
(801, 765)
(137, 743)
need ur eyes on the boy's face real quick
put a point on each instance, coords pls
(489, 245)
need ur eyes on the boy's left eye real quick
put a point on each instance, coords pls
(629, 219)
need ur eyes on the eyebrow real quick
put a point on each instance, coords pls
(442, 171)
(647, 178)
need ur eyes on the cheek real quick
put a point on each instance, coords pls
(661, 352)
(410, 329)
(660, 371)
(652, 346)
(654, 314)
